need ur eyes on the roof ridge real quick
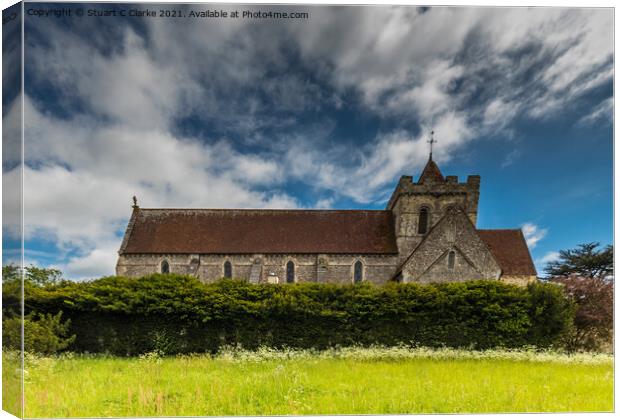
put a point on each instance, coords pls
(225, 231)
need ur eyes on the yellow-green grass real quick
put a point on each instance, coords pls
(358, 381)
(12, 383)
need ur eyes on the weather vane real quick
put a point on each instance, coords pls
(431, 142)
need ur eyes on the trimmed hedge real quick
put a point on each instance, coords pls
(179, 314)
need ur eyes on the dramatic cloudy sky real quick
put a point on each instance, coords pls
(324, 112)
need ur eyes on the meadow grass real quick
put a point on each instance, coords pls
(12, 383)
(343, 381)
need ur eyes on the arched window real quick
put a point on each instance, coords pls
(451, 258)
(358, 272)
(423, 221)
(227, 270)
(165, 267)
(290, 272)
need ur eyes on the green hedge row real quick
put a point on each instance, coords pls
(179, 314)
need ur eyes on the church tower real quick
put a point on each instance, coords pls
(418, 206)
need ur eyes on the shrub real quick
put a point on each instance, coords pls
(550, 312)
(594, 316)
(43, 333)
(179, 314)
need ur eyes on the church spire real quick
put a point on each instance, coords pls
(431, 142)
(431, 172)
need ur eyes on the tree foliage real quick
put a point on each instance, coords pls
(43, 333)
(33, 275)
(594, 317)
(179, 314)
(586, 274)
(584, 261)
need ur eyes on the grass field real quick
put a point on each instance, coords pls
(348, 381)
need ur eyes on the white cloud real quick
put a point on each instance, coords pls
(367, 174)
(533, 234)
(92, 265)
(80, 199)
(406, 63)
(473, 80)
(511, 158)
(548, 257)
(429, 98)
(603, 112)
(542, 262)
(324, 203)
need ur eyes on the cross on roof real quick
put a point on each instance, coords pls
(431, 142)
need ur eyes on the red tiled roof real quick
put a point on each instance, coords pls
(510, 250)
(204, 231)
(431, 172)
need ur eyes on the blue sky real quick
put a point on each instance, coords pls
(324, 112)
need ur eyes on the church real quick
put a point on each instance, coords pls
(426, 234)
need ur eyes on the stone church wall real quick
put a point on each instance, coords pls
(454, 232)
(308, 268)
(440, 272)
(409, 198)
(323, 268)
